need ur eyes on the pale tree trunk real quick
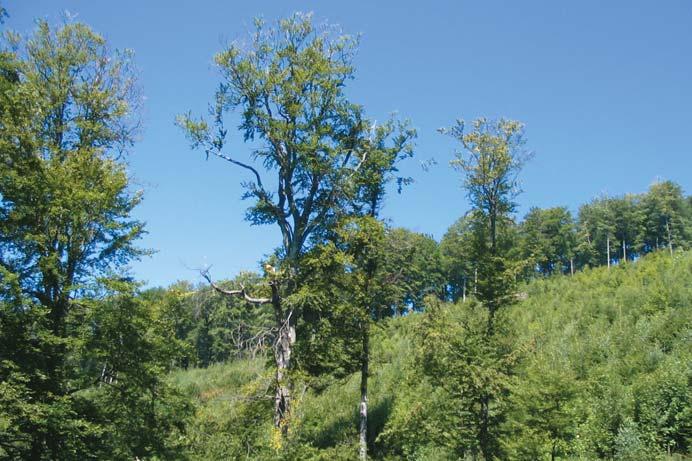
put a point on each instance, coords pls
(363, 410)
(670, 238)
(463, 291)
(571, 266)
(624, 251)
(475, 280)
(608, 250)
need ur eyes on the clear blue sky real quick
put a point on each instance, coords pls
(603, 87)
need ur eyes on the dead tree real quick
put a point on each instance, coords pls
(285, 338)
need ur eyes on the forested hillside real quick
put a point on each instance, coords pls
(556, 335)
(599, 369)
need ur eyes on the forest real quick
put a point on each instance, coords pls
(549, 336)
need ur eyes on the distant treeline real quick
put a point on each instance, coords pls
(607, 230)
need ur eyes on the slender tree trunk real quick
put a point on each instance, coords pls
(571, 266)
(463, 291)
(670, 238)
(624, 251)
(493, 232)
(363, 410)
(475, 280)
(608, 250)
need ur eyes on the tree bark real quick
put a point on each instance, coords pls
(282, 356)
(670, 238)
(283, 347)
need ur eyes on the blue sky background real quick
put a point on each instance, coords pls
(603, 87)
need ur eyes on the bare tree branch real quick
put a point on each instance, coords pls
(240, 293)
(241, 164)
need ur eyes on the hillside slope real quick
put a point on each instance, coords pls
(601, 369)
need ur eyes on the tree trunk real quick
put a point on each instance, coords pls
(571, 266)
(608, 250)
(493, 232)
(363, 410)
(670, 238)
(624, 251)
(463, 291)
(282, 355)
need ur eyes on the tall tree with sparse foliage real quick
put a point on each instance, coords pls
(311, 144)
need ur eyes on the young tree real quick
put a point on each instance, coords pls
(492, 156)
(382, 266)
(288, 84)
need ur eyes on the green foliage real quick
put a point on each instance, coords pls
(615, 336)
(492, 158)
(289, 86)
(462, 375)
(594, 366)
(130, 349)
(233, 420)
(211, 327)
(548, 240)
(233, 417)
(81, 356)
(414, 269)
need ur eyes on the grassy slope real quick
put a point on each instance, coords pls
(626, 324)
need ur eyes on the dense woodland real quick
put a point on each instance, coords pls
(556, 335)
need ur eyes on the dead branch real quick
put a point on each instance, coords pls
(240, 293)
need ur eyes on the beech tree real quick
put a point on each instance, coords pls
(310, 145)
(493, 154)
(68, 115)
(386, 146)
